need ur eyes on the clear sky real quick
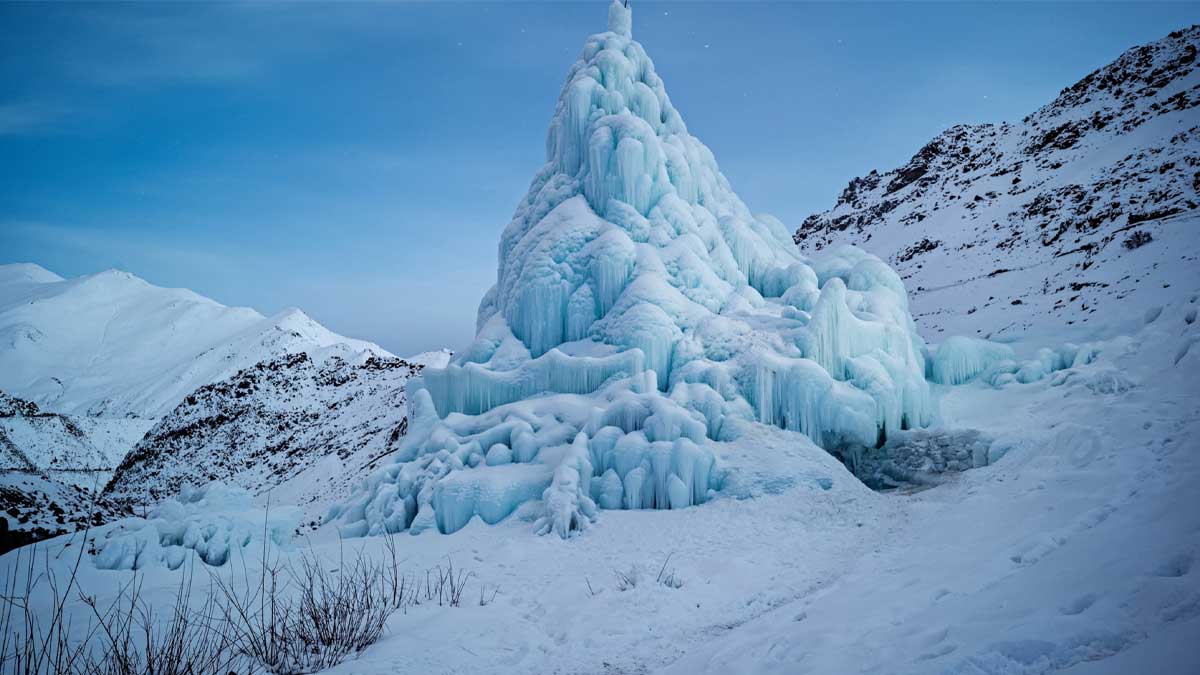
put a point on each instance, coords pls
(359, 161)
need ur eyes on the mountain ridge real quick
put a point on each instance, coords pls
(112, 344)
(1053, 216)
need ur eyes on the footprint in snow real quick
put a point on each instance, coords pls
(1079, 605)
(1176, 566)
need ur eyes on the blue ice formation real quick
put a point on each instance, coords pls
(639, 306)
(962, 359)
(215, 522)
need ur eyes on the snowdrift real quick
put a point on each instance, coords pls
(638, 306)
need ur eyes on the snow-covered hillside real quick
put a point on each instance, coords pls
(300, 428)
(1088, 204)
(53, 442)
(52, 468)
(97, 359)
(110, 344)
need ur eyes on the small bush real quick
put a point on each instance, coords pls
(287, 619)
(126, 638)
(1138, 239)
(668, 578)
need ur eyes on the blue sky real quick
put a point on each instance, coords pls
(360, 160)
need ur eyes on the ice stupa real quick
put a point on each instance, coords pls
(639, 307)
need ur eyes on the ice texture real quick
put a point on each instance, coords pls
(638, 305)
(962, 359)
(213, 522)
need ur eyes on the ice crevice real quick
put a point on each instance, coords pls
(639, 306)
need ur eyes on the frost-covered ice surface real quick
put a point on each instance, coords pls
(213, 521)
(640, 310)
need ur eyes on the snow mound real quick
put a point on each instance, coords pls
(638, 305)
(213, 521)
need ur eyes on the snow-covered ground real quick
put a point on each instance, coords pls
(1075, 551)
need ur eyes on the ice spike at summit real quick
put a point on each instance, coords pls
(641, 315)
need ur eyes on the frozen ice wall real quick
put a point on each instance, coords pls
(639, 304)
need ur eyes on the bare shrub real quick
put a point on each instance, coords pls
(33, 643)
(133, 639)
(670, 579)
(627, 580)
(288, 619)
(1137, 239)
(126, 638)
(304, 618)
(484, 598)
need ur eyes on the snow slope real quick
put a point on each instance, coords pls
(1000, 230)
(50, 441)
(110, 344)
(53, 466)
(1076, 551)
(296, 427)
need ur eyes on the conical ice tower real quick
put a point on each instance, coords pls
(641, 314)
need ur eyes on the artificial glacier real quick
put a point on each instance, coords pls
(640, 306)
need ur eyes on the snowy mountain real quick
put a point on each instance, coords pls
(110, 344)
(1089, 203)
(36, 439)
(96, 359)
(297, 427)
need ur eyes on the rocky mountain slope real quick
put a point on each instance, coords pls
(113, 345)
(296, 426)
(52, 467)
(1000, 229)
(46, 441)
(98, 359)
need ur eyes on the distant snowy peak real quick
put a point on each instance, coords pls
(432, 359)
(35, 440)
(26, 273)
(294, 425)
(112, 344)
(1045, 221)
